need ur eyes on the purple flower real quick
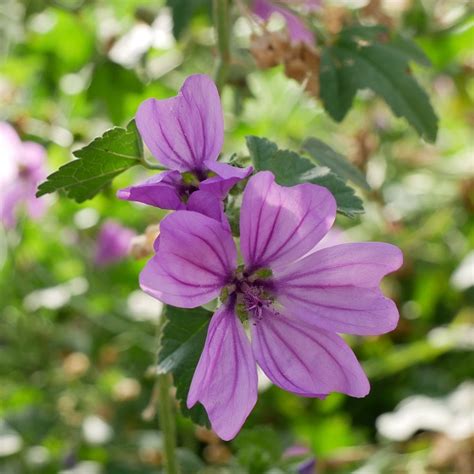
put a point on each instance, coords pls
(307, 466)
(22, 168)
(113, 243)
(185, 134)
(294, 302)
(297, 30)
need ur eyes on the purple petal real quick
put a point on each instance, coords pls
(195, 258)
(209, 205)
(227, 177)
(278, 224)
(185, 131)
(225, 380)
(113, 243)
(161, 190)
(304, 359)
(337, 288)
(11, 195)
(296, 27)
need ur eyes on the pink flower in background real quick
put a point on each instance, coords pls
(185, 134)
(295, 302)
(22, 168)
(113, 243)
(307, 466)
(297, 30)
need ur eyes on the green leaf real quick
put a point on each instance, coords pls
(181, 346)
(359, 60)
(183, 11)
(97, 164)
(337, 86)
(411, 50)
(290, 168)
(326, 156)
(258, 449)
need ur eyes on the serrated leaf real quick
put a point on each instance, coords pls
(97, 164)
(326, 156)
(338, 88)
(348, 203)
(411, 50)
(358, 60)
(290, 168)
(182, 343)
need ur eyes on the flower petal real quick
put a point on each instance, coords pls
(209, 205)
(227, 177)
(185, 131)
(305, 360)
(296, 27)
(161, 190)
(337, 288)
(225, 380)
(279, 225)
(195, 258)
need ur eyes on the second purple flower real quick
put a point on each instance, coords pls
(185, 134)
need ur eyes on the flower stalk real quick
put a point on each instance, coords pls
(222, 26)
(167, 423)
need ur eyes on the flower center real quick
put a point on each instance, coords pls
(191, 181)
(253, 293)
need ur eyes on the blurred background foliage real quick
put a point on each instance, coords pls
(78, 343)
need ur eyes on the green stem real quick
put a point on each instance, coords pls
(151, 166)
(222, 26)
(167, 422)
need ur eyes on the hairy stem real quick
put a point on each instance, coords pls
(222, 26)
(167, 422)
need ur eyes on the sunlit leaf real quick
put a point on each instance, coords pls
(97, 164)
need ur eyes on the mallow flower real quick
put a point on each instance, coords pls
(22, 168)
(291, 298)
(185, 134)
(297, 30)
(113, 243)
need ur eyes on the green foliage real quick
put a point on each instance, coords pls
(361, 59)
(97, 164)
(290, 168)
(181, 346)
(183, 11)
(258, 450)
(326, 156)
(110, 84)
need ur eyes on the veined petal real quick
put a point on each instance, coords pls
(195, 258)
(185, 131)
(161, 190)
(225, 380)
(337, 288)
(304, 359)
(227, 177)
(279, 225)
(209, 205)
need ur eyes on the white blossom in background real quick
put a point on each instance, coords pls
(129, 49)
(96, 431)
(452, 416)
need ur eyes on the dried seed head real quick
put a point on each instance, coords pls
(302, 64)
(142, 245)
(269, 49)
(334, 18)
